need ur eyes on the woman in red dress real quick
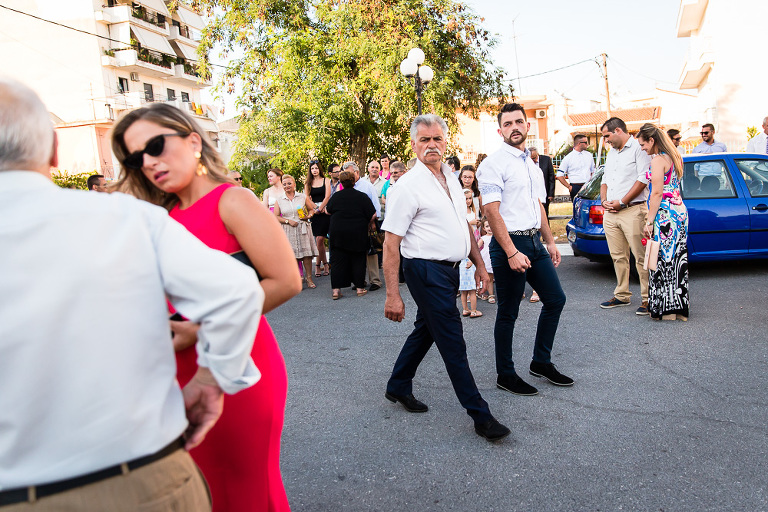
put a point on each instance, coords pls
(168, 160)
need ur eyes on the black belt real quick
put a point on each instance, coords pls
(524, 232)
(635, 203)
(452, 264)
(36, 492)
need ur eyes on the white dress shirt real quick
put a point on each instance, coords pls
(623, 168)
(509, 176)
(87, 366)
(758, 144)
(433, 226)
(578, 166)
(378, 185)
(364, 185)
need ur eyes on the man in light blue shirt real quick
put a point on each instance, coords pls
(709, 145)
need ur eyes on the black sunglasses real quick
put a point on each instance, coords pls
(313, 162)
(154, 147)
(677, 138)
(238, 179)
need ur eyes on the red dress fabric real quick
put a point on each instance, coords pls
(240, 456)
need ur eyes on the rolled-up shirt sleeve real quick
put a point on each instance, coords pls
(211, 288)
(643, 164)
(490, 182)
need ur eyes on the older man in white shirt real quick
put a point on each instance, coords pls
(513, 191)
(623, 194)
(759, 143)
(91, 415)
(434, 237)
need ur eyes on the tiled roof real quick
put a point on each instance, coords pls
(629, 115)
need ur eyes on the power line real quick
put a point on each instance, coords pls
(593, 59)
(638, 73)
(85, 31)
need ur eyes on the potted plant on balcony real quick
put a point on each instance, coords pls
(167, 61)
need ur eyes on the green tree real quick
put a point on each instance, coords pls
(321, 77)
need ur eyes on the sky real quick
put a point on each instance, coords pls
(638, 37)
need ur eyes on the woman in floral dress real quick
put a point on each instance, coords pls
(667, 224)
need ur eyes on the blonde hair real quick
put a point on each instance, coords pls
(662, 144)
(468, 195)
(133, 181)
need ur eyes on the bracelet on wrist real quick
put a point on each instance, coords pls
(516, 253)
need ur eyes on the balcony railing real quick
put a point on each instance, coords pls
(141, 13)
(154, 57)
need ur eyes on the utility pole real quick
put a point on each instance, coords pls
(517, 60)
(607, 92)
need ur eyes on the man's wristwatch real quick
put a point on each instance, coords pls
(622, 204)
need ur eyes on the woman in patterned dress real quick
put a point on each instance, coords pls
(293, 210)
(667, 224)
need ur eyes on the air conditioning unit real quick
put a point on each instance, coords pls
(541, 114)
(135, 77)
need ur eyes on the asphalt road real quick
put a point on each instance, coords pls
(664, 416)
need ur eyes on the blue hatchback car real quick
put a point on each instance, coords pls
(727, 199)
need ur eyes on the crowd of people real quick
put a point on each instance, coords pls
(168, 248)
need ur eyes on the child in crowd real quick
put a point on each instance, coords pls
(484, 244)
(467, 285)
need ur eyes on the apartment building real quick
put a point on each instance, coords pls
(92, 60)
(723, 66)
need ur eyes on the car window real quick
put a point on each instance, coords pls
(755, 173)
(707, 180)
(591, 189)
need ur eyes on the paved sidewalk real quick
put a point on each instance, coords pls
(663, 416)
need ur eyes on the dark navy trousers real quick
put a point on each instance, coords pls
(434, 287)
(510, 286)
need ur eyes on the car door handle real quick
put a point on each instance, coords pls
(761, 207)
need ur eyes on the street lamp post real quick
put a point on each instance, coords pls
(412, 66)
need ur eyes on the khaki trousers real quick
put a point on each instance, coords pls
(171, 483)
(624, 232)
(372, 263)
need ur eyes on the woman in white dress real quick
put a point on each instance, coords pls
(275, 189)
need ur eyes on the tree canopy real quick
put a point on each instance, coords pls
(320, 78)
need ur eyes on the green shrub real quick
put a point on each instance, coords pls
(65, 180)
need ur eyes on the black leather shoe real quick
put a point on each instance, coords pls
(515, 385)
(549, 372)
(374, 287)
(409, 402)
(492, 430)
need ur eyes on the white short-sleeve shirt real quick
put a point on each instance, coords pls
(433, 226)
(578, 166)
(510, 177)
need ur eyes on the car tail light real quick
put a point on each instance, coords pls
(596, 214)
